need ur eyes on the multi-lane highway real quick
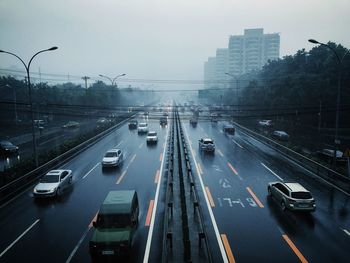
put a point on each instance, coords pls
(243, 224)
(252, 226)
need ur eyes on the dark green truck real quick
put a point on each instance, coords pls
(116, 224)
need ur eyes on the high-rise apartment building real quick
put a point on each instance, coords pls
(252, 50)
(221, 68)
(210, 72)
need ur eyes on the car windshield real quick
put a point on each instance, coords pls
(113, 221)
(50, 178)
(301, 195)
(152, 134)
(143, 125)
(111, 154)
(208, 142)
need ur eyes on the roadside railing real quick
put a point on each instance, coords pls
(322, 171)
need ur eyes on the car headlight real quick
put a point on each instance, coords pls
(35, 191)
(53, 190)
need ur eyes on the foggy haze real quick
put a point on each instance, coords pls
(156, 39)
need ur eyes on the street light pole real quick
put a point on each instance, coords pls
(15, 100)
(27, 67)
(112, 80)
(340, 61)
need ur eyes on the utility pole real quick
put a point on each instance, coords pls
(85, 78)
(319, 117)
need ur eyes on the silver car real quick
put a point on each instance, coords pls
(207, 145)
(292, 196)
(113, 157)
(53, 183)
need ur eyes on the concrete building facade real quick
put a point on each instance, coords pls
(252, 50)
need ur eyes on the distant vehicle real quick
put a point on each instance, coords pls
(280, 135)
(214, 117)
(165, 114)
(228, 128)
(112, 158)
(133, 124)
(292, 196)
(71, 124)
(194, 121)
(207, 145)
(102, 121)
(7, 147)
(152, 137)
(329, 154)
(115, 225)
(142, 128)
(53, 183)
(163, 121)
(266, 123)
(146, 113)
(39, 123)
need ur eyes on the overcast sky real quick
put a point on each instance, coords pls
(156, 39)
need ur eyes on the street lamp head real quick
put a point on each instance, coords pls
(313, 41)
(101, 75)
(53, 48)
(122, 75)
(1, 51)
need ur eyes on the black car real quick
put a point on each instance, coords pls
(229, 129)
(7, 147)
(163, 121)
(133, 124)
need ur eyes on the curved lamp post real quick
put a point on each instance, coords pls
(27, 67)
(112, 80)
(340, 62)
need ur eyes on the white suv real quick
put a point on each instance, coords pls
(152, 137)
(142, 128)
(292, 196)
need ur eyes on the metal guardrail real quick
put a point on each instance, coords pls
(202, 237)
(322, 171)
(13, 188)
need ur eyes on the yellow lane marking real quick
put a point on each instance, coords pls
(141, 145)
(161, 157)
(255, 198)
(210, 198)
(200, 168)
(229, 254)
(149, 213)
(156, 179)
(232, 168)
(222, 155)
(295, 249)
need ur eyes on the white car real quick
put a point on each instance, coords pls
(142, 128)
(266, 123)
(152, 137)
(53, 183)
(112, 158)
